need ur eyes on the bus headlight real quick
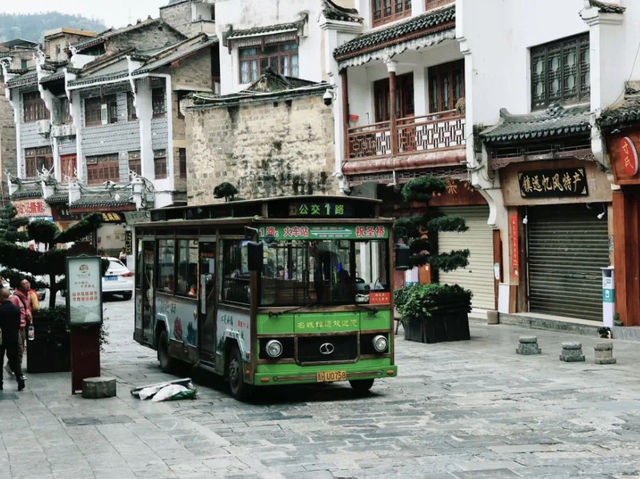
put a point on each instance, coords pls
(380, 343)
(274, 348)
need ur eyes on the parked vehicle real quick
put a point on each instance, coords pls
(118, 279)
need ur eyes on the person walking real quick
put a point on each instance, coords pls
(21, 299)
(123, 256)
(10, 325)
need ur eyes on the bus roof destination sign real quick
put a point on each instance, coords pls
(320, 232)
(329, 209)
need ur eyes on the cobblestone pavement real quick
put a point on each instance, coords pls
(470, 409)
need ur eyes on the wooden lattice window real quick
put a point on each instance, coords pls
(158, 102)
(446, 86)
(68, 166)
(182, 157)
(35, 159)
(404, 97)
(101, 168)
(100, 110)
(135, 163)
(33, 107)
(160, 164)
(385, 11)
(430, 4)
(560, 72)
(280, 57)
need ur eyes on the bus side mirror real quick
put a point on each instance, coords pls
(403, 253)
(254, 251)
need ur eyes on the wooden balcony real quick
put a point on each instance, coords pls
(413, 135)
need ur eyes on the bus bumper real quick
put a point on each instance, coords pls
(270, 379)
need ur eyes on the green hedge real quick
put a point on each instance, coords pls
(420, 301)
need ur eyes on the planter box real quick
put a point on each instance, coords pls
(443, 325)
(50, 350)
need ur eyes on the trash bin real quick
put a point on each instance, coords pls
(608, 296)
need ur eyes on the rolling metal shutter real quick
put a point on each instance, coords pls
(478, 275)
(567, 246)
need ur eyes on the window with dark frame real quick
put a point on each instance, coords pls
(68, 166)
(93, 110)
(101, 168)
(135, 164)
(33, 107)
(235, 273)
(166, 266)
(187, 283)
(160, 164)
(158, 102)
(446, 86)
(182, 160)
(404, 97)
(65, 111)
(385, 11)
(560, 72)
(282, 58)
(131, 109)
(35, 159)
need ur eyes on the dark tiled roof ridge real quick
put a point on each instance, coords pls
(278, 27)
(333, 11)
(395, 32)
(554, 110)
(607, 7)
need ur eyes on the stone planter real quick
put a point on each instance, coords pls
(443, 325)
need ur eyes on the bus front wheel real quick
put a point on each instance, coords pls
(239, 389)
(167, 363)
(361, 386)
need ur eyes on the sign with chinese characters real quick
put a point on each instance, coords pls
(514, 226)
(548, 183)
(112, 217)
(84, 290)
(32, 208)
(627, 164)
(128, 242)
(321, 232)
(326, 323)
(379, 297)
(317, 209)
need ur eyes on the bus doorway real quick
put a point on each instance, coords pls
(207, 302)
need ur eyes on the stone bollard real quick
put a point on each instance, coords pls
(604, 353)
(528, 345)
(571, 352)
(492, 317)
(100, 387)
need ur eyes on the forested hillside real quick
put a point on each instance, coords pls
(32, 26)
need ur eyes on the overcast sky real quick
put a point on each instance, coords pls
(114, 13)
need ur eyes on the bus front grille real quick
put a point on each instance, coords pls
(316, 349)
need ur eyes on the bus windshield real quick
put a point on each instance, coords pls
(325, 272)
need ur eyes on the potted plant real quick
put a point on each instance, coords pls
(50, 349)
(430, 312)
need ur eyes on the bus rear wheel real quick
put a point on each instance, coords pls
(361, 386)
(167, 363)
(239, 389)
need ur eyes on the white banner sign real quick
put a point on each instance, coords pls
(84, 290)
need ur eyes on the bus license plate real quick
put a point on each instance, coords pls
(329, 376)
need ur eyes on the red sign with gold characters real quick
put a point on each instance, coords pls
(628, 160)
(515, 249)
(379, 297)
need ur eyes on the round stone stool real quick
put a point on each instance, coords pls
(571, 352)
(100, 387)
(528, 345)
(604, 353)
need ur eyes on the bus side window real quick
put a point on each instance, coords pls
(187, 268)
(166, 266)
(235, 272)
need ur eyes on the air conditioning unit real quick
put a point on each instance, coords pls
(61, 131)
(44, 127)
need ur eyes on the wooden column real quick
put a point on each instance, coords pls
(391, 67)
(345, 111)
(626, 233)
(497, 260)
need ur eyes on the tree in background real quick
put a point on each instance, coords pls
(18, 259)
(32, 26)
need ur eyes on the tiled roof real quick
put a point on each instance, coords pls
(395, 33)
(100, 78)
(101, 199)
(554, 121)
(606, 7)
(263, 30)
(30, 78)
(625, 113)
(176, 55)
(58, 198)
(331, 11)
(53, 77)
(27, 191)
(269, 87)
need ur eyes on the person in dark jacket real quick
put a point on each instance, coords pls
(10, 325)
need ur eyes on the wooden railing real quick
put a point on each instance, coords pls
(414, 134)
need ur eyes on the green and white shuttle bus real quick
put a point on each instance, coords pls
(269, 292)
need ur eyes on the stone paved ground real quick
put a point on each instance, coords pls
(470, 409)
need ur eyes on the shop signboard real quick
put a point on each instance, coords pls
(84, 290)
(514, 246)
(553, 183)
(323, 232)
(625, 158)
(35, 208)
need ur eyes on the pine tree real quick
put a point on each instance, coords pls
(18, 259)
(420, 232)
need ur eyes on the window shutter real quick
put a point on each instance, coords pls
(104, 113)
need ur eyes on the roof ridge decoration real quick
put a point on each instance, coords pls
(607, 7)
(555, 120)
(257, 35)
(332, 11)
(421, 31)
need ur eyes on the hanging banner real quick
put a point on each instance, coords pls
(84, 290)
(514, 226)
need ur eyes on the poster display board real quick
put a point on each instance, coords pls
(84, 290)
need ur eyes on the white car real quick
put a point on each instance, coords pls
(118, 279)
